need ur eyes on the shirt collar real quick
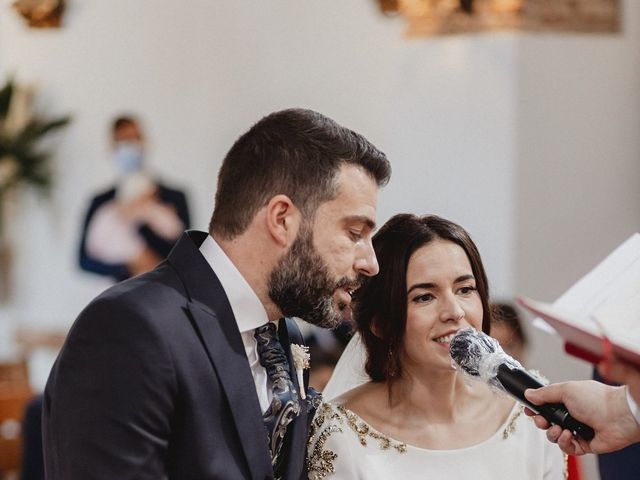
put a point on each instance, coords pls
(246, 306)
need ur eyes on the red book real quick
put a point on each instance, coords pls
(600, 314)
(581, 340)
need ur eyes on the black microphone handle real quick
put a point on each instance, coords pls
(516, 381)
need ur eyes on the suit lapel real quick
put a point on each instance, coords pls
(214, 321)
(226, 351)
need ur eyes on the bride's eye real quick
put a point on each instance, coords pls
(425, 297)
(467, 290)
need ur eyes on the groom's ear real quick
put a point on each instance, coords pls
(283, 220)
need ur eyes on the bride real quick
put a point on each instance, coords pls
(416, 416)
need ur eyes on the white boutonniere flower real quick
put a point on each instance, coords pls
(301, 358)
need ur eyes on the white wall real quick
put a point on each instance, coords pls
(201, 75)
(530, 142)
(578, 167)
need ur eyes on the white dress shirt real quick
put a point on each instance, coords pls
(247, 308)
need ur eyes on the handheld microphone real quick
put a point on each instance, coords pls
(480, 355)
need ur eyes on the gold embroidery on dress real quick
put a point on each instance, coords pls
(511, 426)
(320, 461)
(363, 431)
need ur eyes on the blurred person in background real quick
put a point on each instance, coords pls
(506, 327)
(132, 226)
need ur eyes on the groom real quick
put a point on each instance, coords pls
(172, 374)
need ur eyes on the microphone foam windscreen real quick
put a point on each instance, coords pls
(478, 354)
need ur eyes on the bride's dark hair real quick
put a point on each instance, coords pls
(381, 302)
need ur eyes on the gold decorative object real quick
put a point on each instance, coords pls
(41, 13)
(442, 17)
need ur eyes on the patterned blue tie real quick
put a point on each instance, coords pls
(285, 405)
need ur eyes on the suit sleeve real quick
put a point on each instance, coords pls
(157, 243)
(109, 398)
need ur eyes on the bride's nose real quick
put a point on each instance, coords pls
(451, 309)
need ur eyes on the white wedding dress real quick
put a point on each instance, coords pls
(343, 446)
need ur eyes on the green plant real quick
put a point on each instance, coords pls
(21, 159)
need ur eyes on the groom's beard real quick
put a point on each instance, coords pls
(301, 285)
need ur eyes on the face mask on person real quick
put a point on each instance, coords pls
(128, 157)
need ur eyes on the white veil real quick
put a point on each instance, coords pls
(349, 371)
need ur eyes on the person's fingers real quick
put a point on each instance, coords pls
(564, 438)
(548, 394)
(567, 443)
(553, 433)
(582, 447)
(529, 413)
(541, 422)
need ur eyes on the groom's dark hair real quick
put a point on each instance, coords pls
(294, 152)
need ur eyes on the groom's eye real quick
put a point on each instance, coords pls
(355, 235)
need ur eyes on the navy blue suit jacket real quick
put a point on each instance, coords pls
(153, 383)
(162, 247)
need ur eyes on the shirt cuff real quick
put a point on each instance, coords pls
(635, 409)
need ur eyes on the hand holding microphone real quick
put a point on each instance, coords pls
(480, 355)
